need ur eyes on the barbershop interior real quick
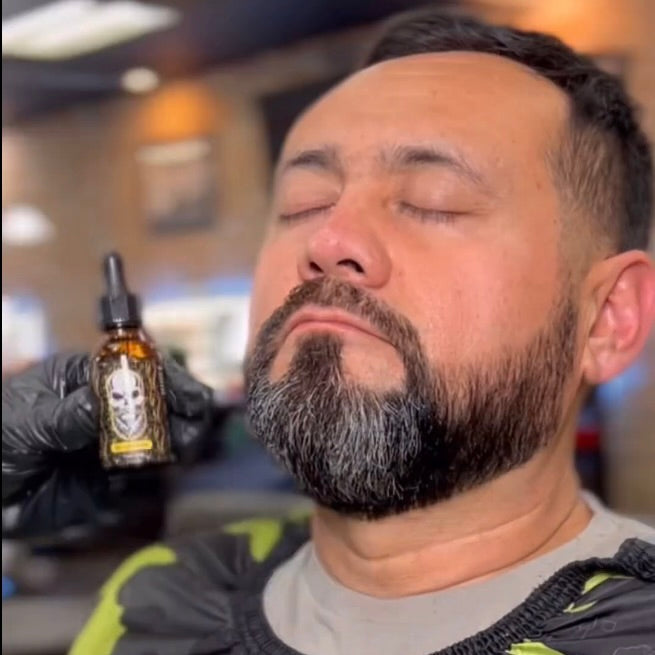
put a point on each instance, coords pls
(151, 129)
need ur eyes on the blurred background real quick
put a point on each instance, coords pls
(152, 128)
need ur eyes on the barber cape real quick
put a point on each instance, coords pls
(203, 596)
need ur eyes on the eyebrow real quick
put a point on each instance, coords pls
(394, 159)
(325, 158)
(399, 158)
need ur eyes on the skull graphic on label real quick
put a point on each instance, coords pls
(127, 400)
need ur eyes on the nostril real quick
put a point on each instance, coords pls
(351, 263)
(315, 268)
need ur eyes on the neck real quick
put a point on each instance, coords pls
(477, 534)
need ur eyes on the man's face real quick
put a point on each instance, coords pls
(415, 215)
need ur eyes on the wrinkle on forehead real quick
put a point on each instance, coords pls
(491, 91)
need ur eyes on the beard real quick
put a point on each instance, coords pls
(372, 454)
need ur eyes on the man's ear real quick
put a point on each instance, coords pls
(621, 291)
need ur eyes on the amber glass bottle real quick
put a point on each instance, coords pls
(129, 381)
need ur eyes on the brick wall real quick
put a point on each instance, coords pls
(78, 166)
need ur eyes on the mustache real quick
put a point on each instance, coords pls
(338, 294)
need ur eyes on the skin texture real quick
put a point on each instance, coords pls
(477, 269)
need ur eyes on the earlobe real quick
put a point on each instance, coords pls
(625, 300)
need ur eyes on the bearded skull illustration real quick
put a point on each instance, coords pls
(126, 393)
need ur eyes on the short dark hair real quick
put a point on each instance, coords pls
(602, 166)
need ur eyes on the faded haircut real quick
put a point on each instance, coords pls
(602, 164)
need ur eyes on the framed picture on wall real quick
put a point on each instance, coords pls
(178, 185)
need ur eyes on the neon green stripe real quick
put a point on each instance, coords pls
(599, 578)
(103, 630)
(301, 515)
(593, 582)
(572, 609)
(532, 648)
(263, 533)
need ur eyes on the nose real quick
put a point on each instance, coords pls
(347, 245)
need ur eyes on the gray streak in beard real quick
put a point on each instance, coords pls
(372, 454)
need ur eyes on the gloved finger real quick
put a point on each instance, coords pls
(46, 423)
(51, 427)
(187, 437)
(32, 434)
(77, 371)
(19, 472)
(74, 494)
(67, 372)
(75, 421)
(185, 396)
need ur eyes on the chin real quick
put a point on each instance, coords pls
(375, 373)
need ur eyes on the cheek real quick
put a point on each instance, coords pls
(274, 277)
(472, 312)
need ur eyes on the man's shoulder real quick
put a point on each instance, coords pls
(631, 527)
(607, 531)
(614, 612)
(180, 590)
(223, 556)
(601, 606)
(243, 545)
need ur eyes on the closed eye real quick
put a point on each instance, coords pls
(304, 213)
(428, 214)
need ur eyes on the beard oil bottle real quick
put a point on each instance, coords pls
(128, 378)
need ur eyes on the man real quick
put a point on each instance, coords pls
(456, 254)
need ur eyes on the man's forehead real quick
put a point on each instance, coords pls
(433, 90)
(441, 72)
(460, 62)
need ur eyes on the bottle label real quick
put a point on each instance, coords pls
(141, 444)
(133, 418)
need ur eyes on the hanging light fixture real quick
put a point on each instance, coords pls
(70, 28)
(24, 225)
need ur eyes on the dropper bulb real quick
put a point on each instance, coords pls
(114, 275)
(118, 307)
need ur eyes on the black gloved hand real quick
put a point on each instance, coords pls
(50, 463)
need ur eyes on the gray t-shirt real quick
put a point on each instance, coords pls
(316, 615)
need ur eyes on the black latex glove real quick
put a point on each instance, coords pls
(51, 473)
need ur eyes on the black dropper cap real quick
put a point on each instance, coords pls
(118, 307)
